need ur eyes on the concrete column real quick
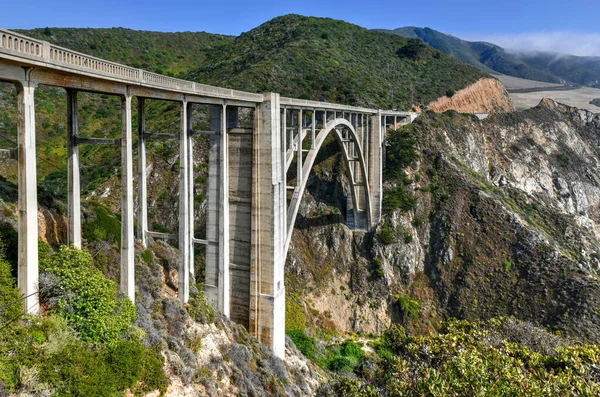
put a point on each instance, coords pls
(28, 272)
(185, 240)
(214, 216)
(291, 130)
(313, 130)
(142, 189)
(74, 199)
(191, 189)
(267, 291)
(224, 281)
(375, 166)
(299, 149)
(127, 245)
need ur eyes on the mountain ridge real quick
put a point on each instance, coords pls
(489, 57)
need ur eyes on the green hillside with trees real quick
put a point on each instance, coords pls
(326, 59)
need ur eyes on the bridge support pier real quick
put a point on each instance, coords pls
(267, 291)
(127, 245)
(185, 233)
(142, 226)
(28, 273)
(375, 164)
(74, 199)
(216, 286)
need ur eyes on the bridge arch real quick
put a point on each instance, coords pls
(352, 152)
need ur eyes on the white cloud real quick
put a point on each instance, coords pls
(583, 44)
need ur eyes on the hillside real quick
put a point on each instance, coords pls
(540, 66)
(160, 52)
(326, 59)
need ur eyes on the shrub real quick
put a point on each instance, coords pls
(400, 151)
(304, 343)
(399, 198)
(104, 227)
(88, 301)
(409, 306)
(387, 235)
(11, 306)
(200, 310)
(378, 268)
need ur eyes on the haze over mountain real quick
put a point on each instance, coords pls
(542, 66)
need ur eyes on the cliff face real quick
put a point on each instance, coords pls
(506, 223)
(487, 95)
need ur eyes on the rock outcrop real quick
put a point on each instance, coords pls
(487, 95)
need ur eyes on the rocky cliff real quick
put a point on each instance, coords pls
(487, 95)
(505, 223)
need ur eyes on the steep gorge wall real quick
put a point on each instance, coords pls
(506, 223)
(487, 95)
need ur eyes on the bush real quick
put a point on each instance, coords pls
(304, 343)
(80, 294)
(410, 307)
(200, 310)
(399, 198)
(104, 227)
(11, 305)
(400, 151)
(387, 235)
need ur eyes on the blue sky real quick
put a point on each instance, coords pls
(518, 23)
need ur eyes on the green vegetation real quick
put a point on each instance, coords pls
(76, 350)
(400, 152)
(87, 300)
(595, 102)
(387, 234)
(326, 59)
(502, 357)
(161, 52)
(199, 308)
(410, 307)
(105, 226)
(399, 198)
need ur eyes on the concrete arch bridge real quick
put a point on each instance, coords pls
(249, 217)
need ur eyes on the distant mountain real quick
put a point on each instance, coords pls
(541, 66)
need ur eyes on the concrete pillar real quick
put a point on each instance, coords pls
(74, 199)
(28, 272)
(284, 130)
(299, 149)
(375, 166)
(142, 219)
(224, 280)
(127, 245)
(267, 291)
(313, 130)
(185, 237)
(191, 189)
(216, 285)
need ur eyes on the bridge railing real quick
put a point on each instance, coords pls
(40, 51)
(19, 44)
